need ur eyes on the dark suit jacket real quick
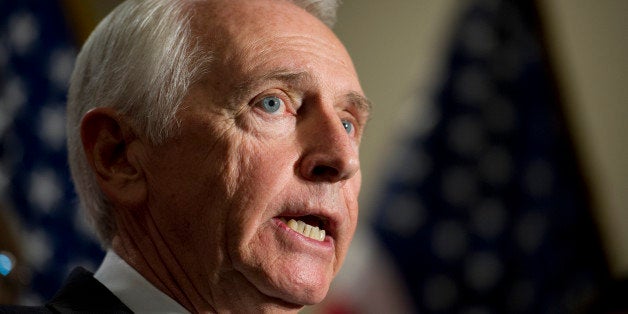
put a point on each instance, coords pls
(81, 293)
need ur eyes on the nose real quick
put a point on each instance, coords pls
(329, 153)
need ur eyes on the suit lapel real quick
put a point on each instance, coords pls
(82, 293)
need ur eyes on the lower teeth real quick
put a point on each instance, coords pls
(305, 229)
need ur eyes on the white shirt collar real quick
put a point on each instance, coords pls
(132, 289)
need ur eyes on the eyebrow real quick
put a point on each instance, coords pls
(361, 103)
(247, 87)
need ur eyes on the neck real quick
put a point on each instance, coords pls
(223, 290)
(155, 262)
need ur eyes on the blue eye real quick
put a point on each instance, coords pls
(348, 126)
(271, 104)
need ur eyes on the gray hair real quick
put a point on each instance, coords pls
(140, 60)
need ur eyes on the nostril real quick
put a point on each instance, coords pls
(325, 163)
(321, 170)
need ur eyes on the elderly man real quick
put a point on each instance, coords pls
(215, 145)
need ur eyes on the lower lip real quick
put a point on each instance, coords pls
(327, 243)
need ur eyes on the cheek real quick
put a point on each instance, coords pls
(192, 197)
(352, 196)
(262, 171)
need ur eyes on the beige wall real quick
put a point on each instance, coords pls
(590, 47)
(395, 45)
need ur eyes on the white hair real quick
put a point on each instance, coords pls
(324, 10)
(140, 60)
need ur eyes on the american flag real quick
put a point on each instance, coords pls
(37, 54)
(485, 210)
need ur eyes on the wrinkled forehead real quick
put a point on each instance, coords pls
(229, 27)
(244, 15)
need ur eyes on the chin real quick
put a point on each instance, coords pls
(306, 296)
(298, 286)
(308, 288)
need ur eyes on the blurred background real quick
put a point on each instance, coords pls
(495, 166)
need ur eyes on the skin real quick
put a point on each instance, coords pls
(198, 215)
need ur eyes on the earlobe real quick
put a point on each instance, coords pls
(108, 142)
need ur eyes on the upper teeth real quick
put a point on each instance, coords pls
(305, 229)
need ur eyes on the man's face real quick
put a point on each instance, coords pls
(271, 134)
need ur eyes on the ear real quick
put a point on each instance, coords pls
(113, 152)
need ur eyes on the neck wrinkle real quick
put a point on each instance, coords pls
(150, 256)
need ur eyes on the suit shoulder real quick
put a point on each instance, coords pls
(15, 309)
(82, 293)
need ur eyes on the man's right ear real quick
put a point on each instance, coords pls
(114, 153)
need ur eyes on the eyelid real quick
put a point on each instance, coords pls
(352, 131)
(274, 92)
(358, 126)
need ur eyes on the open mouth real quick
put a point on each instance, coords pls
(310, 226)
